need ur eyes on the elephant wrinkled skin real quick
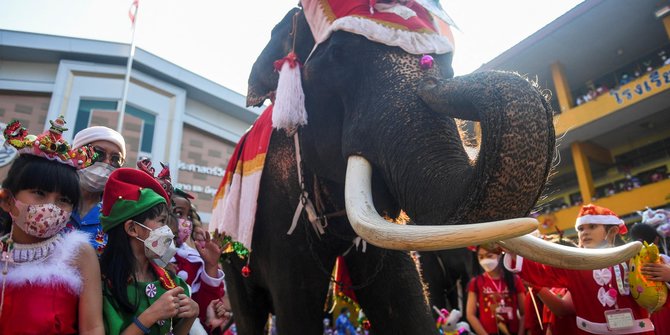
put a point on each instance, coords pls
(373, 103)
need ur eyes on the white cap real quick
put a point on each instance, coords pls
(99, 133)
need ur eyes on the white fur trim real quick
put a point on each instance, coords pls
(192, 256)
(289, 107)
(412, 42)
(598, 219)
(507, 261)
(57, 269)
(183, 275)
(213, 282)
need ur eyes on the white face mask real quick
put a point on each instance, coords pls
(489, 264)
(94, 177)
(41, 221)
(159, 246)
(605, 243)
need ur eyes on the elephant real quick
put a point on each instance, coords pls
(446, 274)
(381, 141)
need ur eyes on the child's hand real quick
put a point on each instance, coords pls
(188, 308)
(656, 272)
(210, 251)
(218, 313)
(167, 306)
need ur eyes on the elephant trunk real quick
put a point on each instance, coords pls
(517, 140)
(504, 182)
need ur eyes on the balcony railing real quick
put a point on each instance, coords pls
(623, 203)
(637, 90)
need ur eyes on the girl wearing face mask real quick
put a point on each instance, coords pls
(139, 295)
(601, 298)
(50, 282)
(495, 296)
(198, 266)
(110, 149)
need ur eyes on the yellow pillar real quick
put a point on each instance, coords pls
(583, 170)
(561, 85)
(596, 153)
(666, 24)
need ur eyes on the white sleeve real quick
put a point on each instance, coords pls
(507, 261)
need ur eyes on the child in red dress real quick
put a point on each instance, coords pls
(50, 279)
(495, 297)
(601, 298)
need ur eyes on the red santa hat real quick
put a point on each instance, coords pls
(129, 192)
(592, 214)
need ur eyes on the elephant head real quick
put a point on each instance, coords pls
(385, 127)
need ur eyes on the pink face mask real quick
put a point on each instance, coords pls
(41, 221)
(184, 229)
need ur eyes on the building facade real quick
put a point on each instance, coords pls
(172, 115)
(607, 67)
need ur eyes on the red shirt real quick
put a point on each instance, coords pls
(493, 298)
(191, 268)
(584, 286)
(530, 323)
(559, 325)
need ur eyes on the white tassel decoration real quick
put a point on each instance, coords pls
(289, 106)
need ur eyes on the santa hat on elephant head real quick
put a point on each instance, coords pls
(592, 214)
(128, 193)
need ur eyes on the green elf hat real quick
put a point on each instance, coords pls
(128, 193)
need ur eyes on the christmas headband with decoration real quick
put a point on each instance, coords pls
(50, 144)
(163, 177)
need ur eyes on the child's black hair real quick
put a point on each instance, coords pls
(33, 172)
(117, 263)
(507, 275)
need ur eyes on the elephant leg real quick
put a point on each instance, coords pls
(393, 299)
(299, 284)
(249, 301)
(434, 277)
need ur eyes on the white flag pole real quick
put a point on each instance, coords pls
(129, 65)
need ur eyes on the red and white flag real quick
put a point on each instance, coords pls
(132, 11)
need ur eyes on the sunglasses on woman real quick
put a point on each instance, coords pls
(114, 159)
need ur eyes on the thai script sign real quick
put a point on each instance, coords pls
(654, 80)
(210, 170)
(196, 188)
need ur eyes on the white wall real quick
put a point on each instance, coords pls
(27, 76)
(214, 121)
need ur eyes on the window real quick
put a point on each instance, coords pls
(84, 112)
(148, 120)
(148, 128)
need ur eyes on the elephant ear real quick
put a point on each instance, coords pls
(263, 77)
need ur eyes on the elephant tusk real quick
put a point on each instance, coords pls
(370, 226)
(541, 251)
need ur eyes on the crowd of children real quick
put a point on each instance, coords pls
(87, 247)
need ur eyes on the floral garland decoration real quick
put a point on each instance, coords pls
(228, 247)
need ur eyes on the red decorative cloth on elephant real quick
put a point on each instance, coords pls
(418, 27)
(235, 201)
